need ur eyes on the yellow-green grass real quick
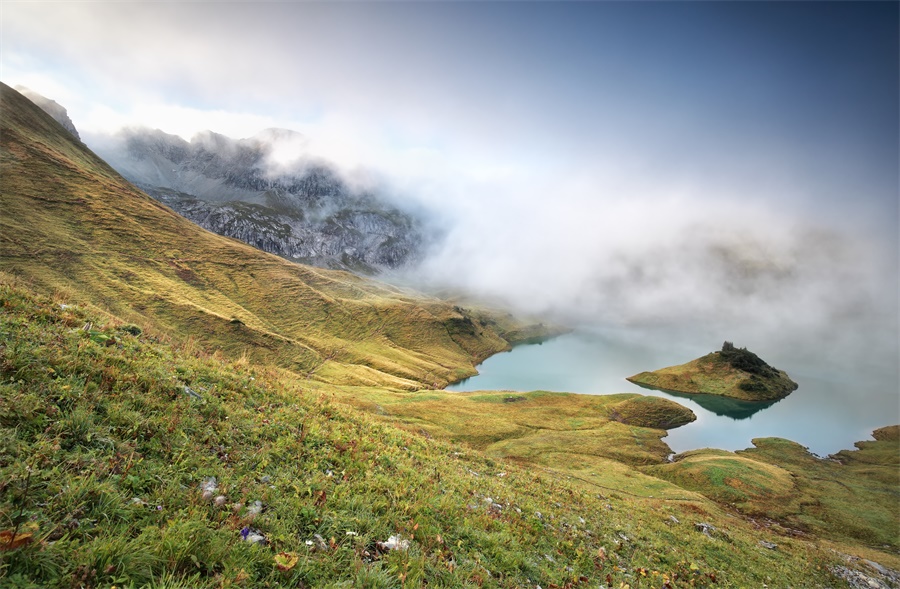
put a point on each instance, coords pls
(104, 453)
(728, 478)
(712, 375)
(625, 427)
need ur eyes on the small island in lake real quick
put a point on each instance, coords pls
(731, 372)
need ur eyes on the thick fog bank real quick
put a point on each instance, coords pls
(691, 267)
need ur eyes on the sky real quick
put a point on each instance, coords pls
(730, 166)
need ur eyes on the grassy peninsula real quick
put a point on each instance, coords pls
(731, 372)
(180, 410)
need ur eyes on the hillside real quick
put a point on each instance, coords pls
(178, 410)
(732, 372)
(85, 231)
(129, 462)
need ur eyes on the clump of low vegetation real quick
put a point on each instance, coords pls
(744, 359)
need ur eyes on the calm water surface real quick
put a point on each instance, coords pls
(833, 408)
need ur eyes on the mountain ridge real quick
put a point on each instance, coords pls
(303, 209)
(52, 108)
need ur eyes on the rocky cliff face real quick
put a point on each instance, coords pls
(302, 210)
(51, 107)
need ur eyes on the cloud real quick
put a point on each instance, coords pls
(722, 172)
(689, 261)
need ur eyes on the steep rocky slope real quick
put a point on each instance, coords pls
(302, 210)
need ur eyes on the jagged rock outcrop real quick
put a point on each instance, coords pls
(51, 107)
(301, 209)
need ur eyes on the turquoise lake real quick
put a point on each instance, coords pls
(833, 407)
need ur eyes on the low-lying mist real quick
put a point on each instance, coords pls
(690, 267)
(695, 262)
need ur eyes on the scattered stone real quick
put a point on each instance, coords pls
(704, 528)
(856, 579)
(674, 519)
(320, 543)
(769, 545)
(255, 509)
(220, 501)
(877, 567)
(209, 486)
(191, 392)
(394, 543)
(265, 480)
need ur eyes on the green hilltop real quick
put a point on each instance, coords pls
(731, 372)
(180, 410)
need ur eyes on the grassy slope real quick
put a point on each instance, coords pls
(104, 453)
(73, 228)
(85, 231)
(852, 497)
(711, 375)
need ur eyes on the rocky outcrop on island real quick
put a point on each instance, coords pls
(731, 372)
